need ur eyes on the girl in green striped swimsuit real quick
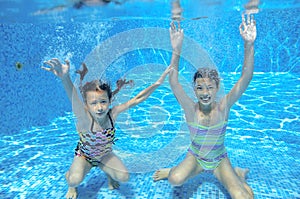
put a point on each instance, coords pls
(207, 118)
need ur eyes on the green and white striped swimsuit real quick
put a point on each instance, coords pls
(208, 144)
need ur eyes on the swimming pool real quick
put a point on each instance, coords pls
(38, 135)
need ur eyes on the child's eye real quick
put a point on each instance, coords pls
(199, 88)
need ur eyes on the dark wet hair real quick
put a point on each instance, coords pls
(96, 85)
(208, 73)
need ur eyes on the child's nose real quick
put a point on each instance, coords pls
(205, 91)
(99, 107)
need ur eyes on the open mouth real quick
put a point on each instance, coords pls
(100, 113)
(205, 99)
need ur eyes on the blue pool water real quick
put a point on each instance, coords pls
(38, 134)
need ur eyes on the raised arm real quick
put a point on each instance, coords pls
(143, 95)
(248, 33)
(184, 100)
(62, 71)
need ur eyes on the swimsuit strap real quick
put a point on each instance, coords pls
(92, 126)
(111, 122)
(110, 119)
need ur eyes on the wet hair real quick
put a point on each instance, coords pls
(207, 73)
(96, 85)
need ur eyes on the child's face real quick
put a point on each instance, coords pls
(97, 103)
(206, 90)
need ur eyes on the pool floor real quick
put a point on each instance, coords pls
(263, 135)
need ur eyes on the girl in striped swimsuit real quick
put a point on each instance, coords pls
(95, 125)
(207, 118)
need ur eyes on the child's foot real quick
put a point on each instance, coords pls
(250, 191)
(161, 174)
(242, 173)
(72, 193)
(112, 184)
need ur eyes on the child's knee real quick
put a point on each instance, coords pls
(122, 176)
(74, 179)
(176, 179)
(241, 194)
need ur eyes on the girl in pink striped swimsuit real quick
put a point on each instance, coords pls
(95, 125)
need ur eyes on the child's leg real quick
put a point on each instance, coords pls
(234, 184)
(188, 168)
(79, 168)
(115, 170)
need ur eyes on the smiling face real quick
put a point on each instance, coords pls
(206, 90)
(206, 85)
(97, 103)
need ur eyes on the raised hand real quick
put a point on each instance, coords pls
(248, 28)
(57, 68)
(176, 36)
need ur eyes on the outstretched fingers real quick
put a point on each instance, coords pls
(50, 64)
(248, 28)
(252, 21)
(56, 67)
(243, 25)
(172, 28)
(47, 69)
(55, 61)
(248, 18)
